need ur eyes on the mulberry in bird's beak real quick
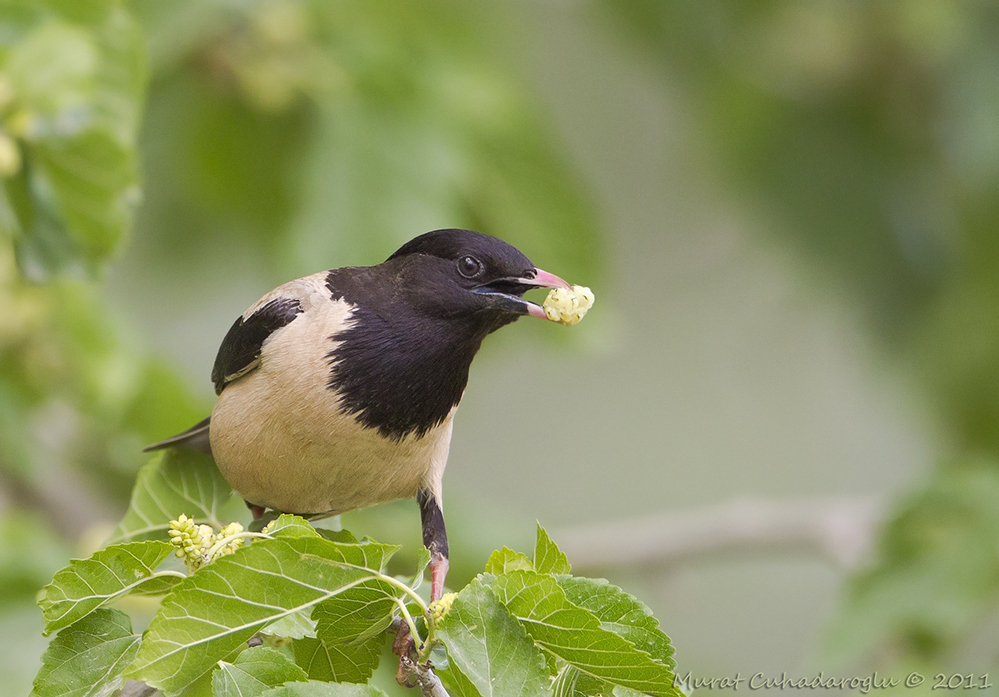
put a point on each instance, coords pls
(506, 292)
(568, 306)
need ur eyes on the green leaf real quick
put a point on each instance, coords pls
(323, 689)
(357, 616)
(77, 84)
(345, 536)
(51, 69)
(215, 611)
(422, 562)
(254, 672)
(92, 175)
(621, 613)
(565, 682)
(548, 558)
(287, 525)
(88, 584)
(86, 660)
(352, 628)
(316, 659)
(619, 691)
(575, 635)
(490, 648)
(937, 568)
(571, 682)
(503, 560)
(202, 687)
(177, 481)
(455, 681)
(335, 662)
(297, 625)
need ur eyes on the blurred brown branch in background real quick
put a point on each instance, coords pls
(57, 492)
(840, 529)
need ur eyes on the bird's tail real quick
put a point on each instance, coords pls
(195, 438)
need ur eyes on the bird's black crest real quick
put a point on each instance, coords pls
(451, 243)
(395, 371)
(240, 349)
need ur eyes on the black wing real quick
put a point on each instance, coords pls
(194, 438)
(240, 350)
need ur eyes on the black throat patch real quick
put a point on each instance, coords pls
(397, 372)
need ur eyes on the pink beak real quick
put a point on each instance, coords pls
(546, 280)
(516, 304)
(542, 279)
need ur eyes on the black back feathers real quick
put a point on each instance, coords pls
(240, 349)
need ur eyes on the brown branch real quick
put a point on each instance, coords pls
(842, 530)
(424, 677)
(56, 493)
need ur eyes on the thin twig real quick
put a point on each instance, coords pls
(842, 530)
(424, 677)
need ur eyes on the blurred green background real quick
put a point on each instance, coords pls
(788, 212)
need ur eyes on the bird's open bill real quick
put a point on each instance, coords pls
(539, 279)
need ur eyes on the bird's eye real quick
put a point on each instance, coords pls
(469, 267)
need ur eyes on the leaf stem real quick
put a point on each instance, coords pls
(409, 619)
(165, 572)
(404, 588)
(210, 554)
(430, 641)
(429, 644)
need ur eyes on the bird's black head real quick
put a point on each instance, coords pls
(402, 364)
(464, 274)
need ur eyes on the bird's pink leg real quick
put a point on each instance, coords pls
(435, 540)
(438, 572)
